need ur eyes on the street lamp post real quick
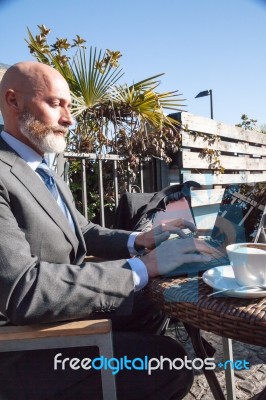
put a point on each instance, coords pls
(206, 93)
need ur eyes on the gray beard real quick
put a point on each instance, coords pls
(41, 135)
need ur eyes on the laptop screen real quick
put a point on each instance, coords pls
(240, 213)
(174, 210)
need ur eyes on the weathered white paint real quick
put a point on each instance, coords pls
(213, 127)
(242, 155)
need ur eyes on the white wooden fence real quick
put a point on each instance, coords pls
(242, 155)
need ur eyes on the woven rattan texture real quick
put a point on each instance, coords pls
(186, 299)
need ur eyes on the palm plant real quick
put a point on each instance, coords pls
(128, 120)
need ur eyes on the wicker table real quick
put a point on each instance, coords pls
(186, 299)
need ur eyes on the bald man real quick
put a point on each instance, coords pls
(43, 242)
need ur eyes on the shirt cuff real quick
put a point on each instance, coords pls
(140, 274)
(131, 245)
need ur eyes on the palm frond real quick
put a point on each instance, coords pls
(91, 84)
(147, 83)
(146, 104)
(37, 49)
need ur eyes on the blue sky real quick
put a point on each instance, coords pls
(198, 44)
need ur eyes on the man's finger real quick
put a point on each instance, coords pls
(194, 257)
(158, 239)
(179, 224)
(204, 247)
(189, 225)
(179, 232)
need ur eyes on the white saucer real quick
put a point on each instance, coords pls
(223, 277)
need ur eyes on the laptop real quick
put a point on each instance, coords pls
(241, 218)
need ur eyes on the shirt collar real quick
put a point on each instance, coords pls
(32, 158)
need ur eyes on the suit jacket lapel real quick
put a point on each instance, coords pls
(38, 190)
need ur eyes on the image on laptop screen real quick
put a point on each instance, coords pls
(240, 213)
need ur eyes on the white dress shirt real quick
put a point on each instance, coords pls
(33, 159)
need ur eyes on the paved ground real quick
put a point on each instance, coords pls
(248, 382)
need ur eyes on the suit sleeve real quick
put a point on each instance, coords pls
(33, 290)
(110, 244)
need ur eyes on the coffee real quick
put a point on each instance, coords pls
(258, 246)
(249, 250)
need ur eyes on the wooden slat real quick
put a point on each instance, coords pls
(206, 125)
(223, 179)
(206, 197)
(74, 328)
(191, 141)
(193, 160)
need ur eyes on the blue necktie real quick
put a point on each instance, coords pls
(47, 176)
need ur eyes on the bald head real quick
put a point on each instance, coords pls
(35, 90)
(28, 79)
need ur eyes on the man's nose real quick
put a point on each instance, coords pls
(66, 117)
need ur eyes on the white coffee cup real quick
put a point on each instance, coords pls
(248, 261)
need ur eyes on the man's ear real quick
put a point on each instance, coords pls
(12, 100)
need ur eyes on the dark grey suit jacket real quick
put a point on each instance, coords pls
(42, 274)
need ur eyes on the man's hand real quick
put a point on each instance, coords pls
(172, 253)
(160, 233)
